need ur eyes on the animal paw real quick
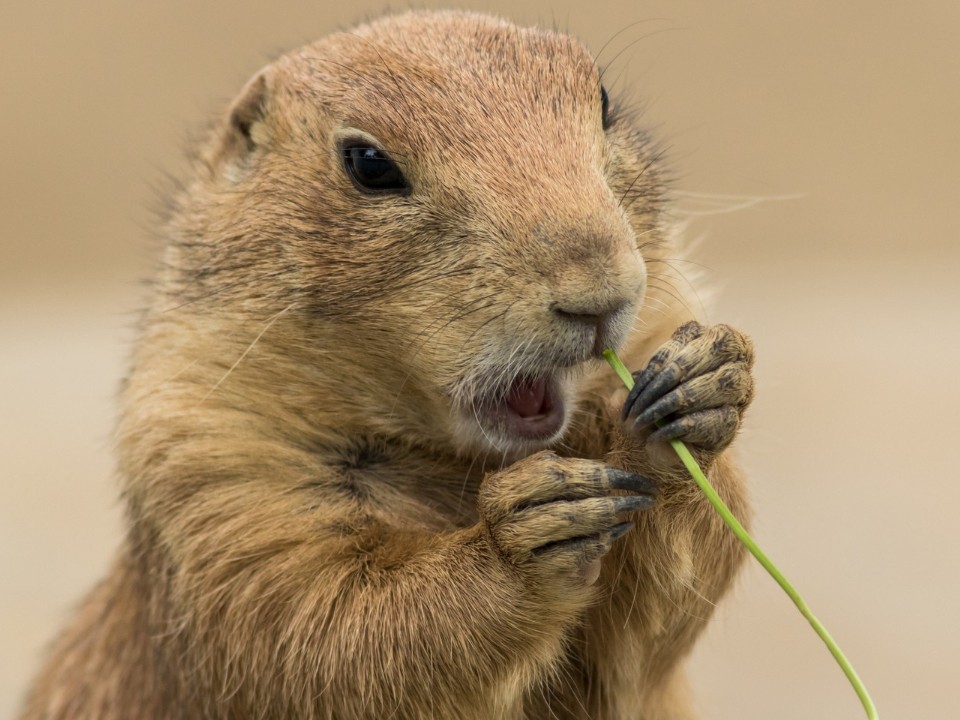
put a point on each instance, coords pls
(556, 517)
(695, 388)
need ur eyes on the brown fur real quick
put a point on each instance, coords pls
(301, 480)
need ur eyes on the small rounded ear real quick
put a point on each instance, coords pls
(247, 115)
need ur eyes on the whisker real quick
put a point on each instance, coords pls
(621, 31)
(671, 260)
(657, 157)
(632, 43)
(728, 203)
(426, 341)
(230, 286)
(246, 352)
(458, 316)
(673, 292)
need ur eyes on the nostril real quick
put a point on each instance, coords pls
(594, 314)
(581, 318)
(604, 319)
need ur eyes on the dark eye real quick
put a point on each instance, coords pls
(604, 108)
(371, 170)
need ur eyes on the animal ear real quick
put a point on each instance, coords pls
(247, 127)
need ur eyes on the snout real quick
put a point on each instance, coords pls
(593, 301)
(567, 296)
(601, 322)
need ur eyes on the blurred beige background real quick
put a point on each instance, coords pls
(844, 116)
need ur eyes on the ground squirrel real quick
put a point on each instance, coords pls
(371, 462)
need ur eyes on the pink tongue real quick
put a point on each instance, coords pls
(527, 398)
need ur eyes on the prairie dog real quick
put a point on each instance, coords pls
(371, 462)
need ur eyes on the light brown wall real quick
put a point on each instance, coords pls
(843, 116)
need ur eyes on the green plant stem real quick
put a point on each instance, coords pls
(701, 479)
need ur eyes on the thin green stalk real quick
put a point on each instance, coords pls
(701, 479)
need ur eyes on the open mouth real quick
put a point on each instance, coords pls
(532, 409)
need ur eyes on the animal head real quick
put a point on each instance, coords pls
(454, 195)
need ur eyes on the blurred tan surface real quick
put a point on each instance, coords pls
(843, 115)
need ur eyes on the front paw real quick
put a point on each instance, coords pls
(553, 518)
(695, 388)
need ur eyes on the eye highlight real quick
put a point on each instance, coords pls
(604, 108)
(371, 170)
